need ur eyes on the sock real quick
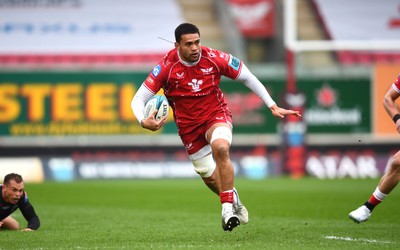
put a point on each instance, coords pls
(376, 198)
(227, 196)
(369, 206)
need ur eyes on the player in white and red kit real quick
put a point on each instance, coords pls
(392, 177)
(190, 76)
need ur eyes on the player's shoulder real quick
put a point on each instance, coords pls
(211, 53)
(222, 59)
(165, 63)
(170, 58)
(217, 55)
(24, 199)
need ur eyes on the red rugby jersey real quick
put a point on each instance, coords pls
(193, 91)
(396, 84)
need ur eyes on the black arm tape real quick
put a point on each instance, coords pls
(396, 117)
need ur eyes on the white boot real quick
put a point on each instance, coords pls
(229, 219)
(360, 214)
(239, 209)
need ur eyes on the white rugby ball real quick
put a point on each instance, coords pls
(158, 102)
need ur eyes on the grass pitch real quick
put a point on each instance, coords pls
(183, 214)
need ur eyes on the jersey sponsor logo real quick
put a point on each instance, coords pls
(212, 54)
(156, 70)
(234, 62)
(149, 80)
(207, 71)
(195, 84)
(189, 146)
(180, 75)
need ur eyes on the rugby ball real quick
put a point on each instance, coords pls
(158, 102)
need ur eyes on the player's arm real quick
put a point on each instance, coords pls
(30, 215)
(389, 103)
(252, 82)
(138, 103)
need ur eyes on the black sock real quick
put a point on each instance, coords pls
(369, 206)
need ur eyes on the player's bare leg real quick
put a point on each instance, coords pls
(238, 207)
(221, 181)
(225, 172)
(392, 177)
(10, 223)
(224, 167)
(212, 182)
(387, 183)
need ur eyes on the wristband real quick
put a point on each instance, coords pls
(396, 117)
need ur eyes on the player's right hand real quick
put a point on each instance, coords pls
(151, 123)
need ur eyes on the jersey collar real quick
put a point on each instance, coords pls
(187, 63)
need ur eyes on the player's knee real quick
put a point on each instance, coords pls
(221, 147)
(10, 223)
(204, 166)
(221, 150)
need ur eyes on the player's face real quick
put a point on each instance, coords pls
(189, 47)
(13, 191)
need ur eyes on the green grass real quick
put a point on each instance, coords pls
(184, 214)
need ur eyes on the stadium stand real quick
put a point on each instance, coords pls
(363, 21)
(126, 33)
(316, 21)
(309, 28)
(202, 13)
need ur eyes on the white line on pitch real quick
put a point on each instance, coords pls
(360, 239)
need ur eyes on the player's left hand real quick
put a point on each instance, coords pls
(151, 123)
(281, 112)
(27, 229)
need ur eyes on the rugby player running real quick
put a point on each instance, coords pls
(190, 76)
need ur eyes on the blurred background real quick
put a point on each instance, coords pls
(69, 69)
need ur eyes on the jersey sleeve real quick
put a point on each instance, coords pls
(229, 65)
(29, 213)
(396, 84)
(155, 79)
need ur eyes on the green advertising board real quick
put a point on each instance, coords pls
(331, 105)
(57, 103)
(337, 105)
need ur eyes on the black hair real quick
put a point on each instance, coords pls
(185, 28)
(16, 177)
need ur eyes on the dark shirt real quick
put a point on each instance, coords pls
(26, 209)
